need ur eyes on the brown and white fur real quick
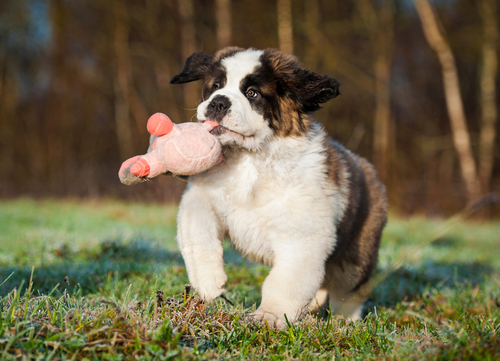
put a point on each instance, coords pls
(285, 194)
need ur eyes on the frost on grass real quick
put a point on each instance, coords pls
(85, 327)
(126, 300)
(439, 324)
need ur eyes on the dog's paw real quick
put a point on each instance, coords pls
(211, 286)
(273, 320)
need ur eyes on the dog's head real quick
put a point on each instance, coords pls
(256, 94)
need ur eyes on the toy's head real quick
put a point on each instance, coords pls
(189, 149)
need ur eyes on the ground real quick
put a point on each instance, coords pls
(104, 280)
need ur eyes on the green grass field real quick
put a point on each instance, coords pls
(104, 280)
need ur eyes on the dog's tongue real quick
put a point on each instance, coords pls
(212, 123)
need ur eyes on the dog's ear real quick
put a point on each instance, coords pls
(312, 89)
(195, 68)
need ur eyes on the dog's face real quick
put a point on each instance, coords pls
(256, 94)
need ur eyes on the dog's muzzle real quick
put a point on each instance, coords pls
(218, 108)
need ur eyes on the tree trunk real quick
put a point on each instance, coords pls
(380, 28)
(460, 133)
(57, 104)
(488, 91)
(285, 27)
(382, 121)
(188, 43)
(122, 123)
(224, 22)
(8, 104)
(311, 29)
(124, 67)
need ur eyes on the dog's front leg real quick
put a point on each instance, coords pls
(293, 281)
(200, 241)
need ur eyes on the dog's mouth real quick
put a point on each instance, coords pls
(219, 129)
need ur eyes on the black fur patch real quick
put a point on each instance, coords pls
(359, 231)
(195, 69)
(289, 93)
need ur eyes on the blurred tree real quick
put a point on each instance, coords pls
(9, 83)
(188, 47)
(224, 22)
(460, 132)
(489, 14)
(285, 26)
(312, 32)
(379, 23)
(73, 75)
(124, 66)
(125, 94)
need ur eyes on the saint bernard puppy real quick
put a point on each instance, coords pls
(285, 194)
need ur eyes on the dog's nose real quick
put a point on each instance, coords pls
(219, 105)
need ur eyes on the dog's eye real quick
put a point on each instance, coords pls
(216, 86)
(252, 93)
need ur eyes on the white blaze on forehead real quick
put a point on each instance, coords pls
(240, 65)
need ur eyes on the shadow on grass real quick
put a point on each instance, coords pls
(90, 269)
(407, 284)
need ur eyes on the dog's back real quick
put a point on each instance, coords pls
(350, 266)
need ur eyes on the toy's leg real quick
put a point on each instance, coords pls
(159, 124)
(127, 163)
(148, 165)
(199, 237)
(126, 177)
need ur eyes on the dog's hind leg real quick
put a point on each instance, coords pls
(319, 302)
(344, 299)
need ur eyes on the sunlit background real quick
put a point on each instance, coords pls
(89, 267)
(79, 79)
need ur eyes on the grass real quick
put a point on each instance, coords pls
(87, 280)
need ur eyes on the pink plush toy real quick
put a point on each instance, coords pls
(182, 149)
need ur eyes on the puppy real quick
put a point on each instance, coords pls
(285, 194)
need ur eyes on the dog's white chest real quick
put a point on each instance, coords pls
(262, 203)
(249, 203)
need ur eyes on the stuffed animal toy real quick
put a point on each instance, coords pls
(181, 149)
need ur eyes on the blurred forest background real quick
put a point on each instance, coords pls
(419, 88)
